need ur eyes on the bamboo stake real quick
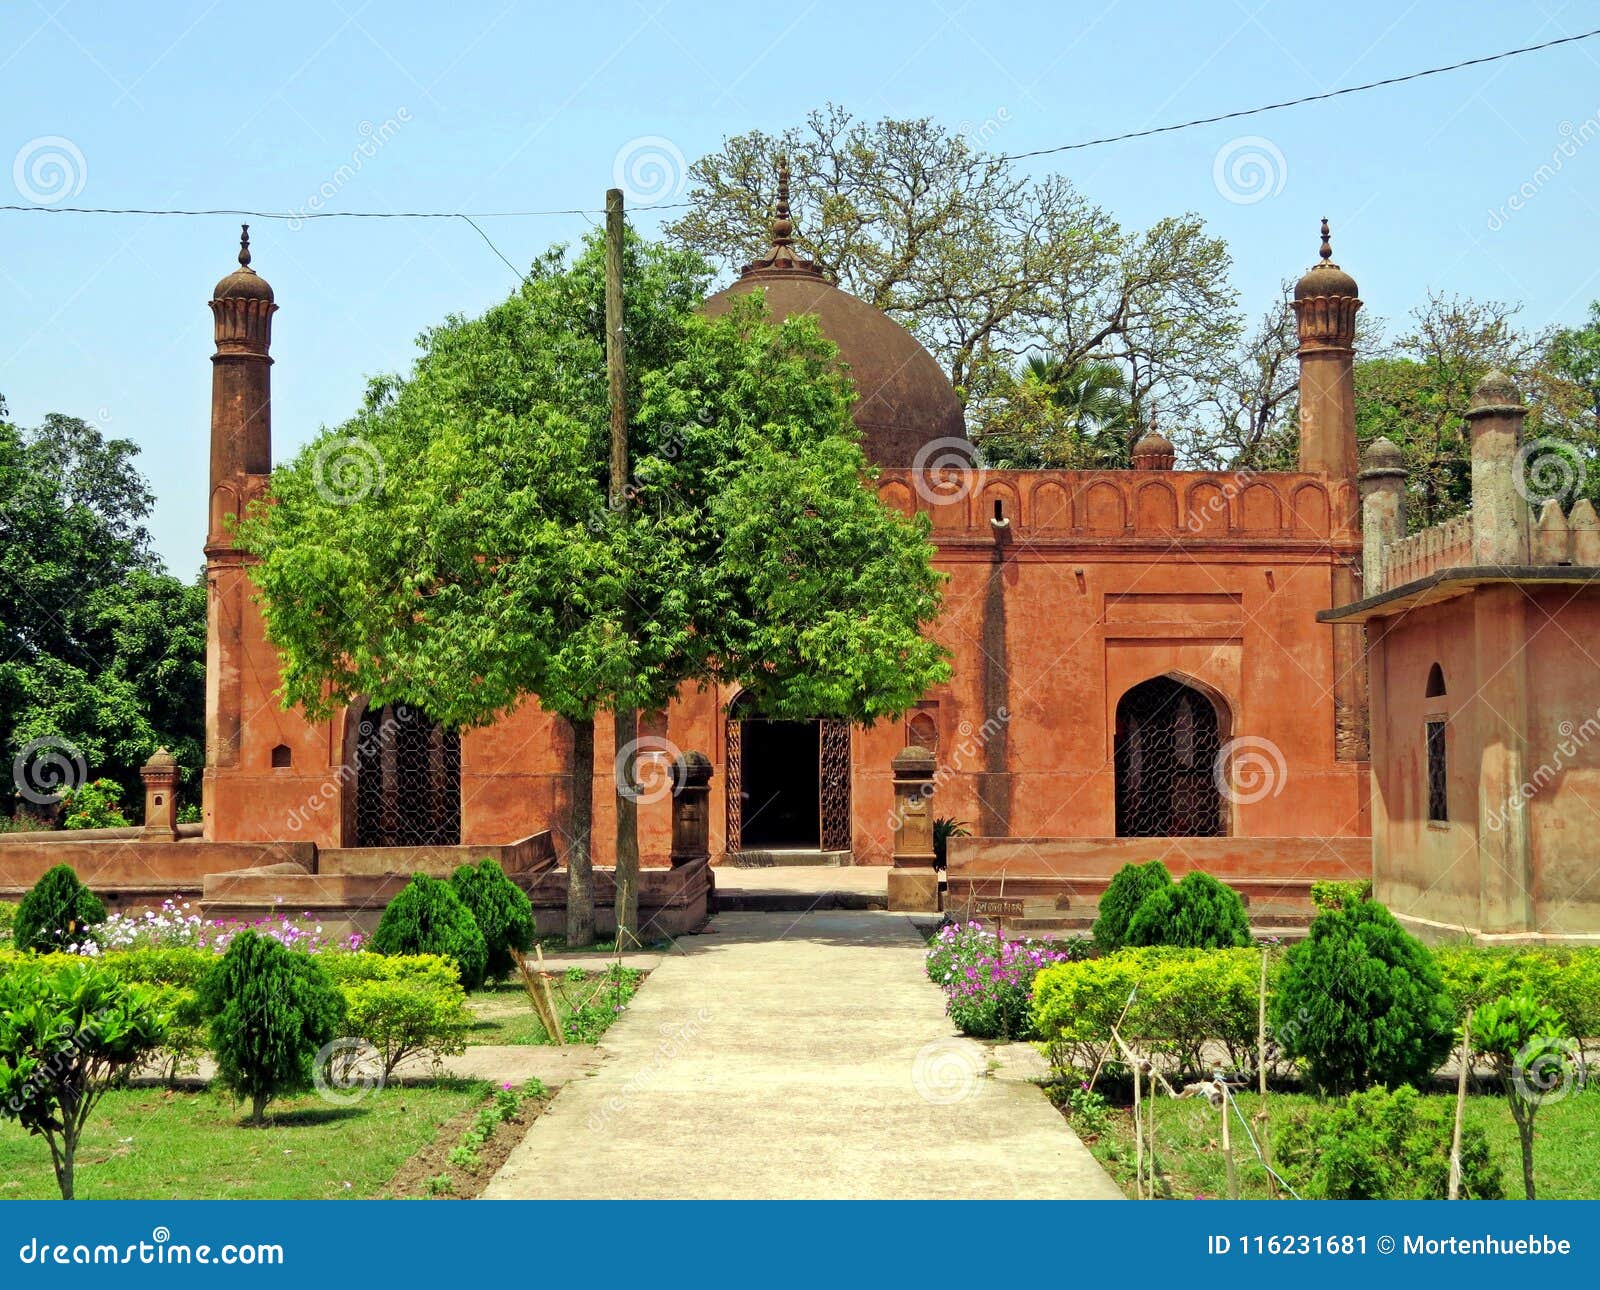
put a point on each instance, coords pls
(1265, 1137)
(1461, 1107)
(553, 1025)
(1227, 1143)
(1138, 1137)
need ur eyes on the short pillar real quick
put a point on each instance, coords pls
(913, 882)
(1500, 520)
(160, 775)
(1383, 510)
(691, 816)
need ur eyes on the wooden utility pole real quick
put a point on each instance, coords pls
(626, 720)
(1454, 1191)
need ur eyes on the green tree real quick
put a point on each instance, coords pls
(1527, 1042)
(428, 917)
(1055, 416)
(488, 570)
(58, 911)
(102, 650)
(501, 909)
(66, 1036)
(273, 1010)
(982, 263)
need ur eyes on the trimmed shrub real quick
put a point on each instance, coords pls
(57, 912)
(1565, 978)
(1330, 895)
(1380, 1145)
(400, 1018)
(501, 909)
(272, 1012)
(1185, 1000)
(1196, 913)
(427, 917)
(1361, 1002)
(1128, 890)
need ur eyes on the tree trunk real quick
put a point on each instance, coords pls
(580, 855)
(1525, 1133)
(64, 1165)
(627, 899)
(258, 1108)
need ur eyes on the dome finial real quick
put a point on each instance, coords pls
(780, 256)
(1326, 253)
(244, 246)
(782, 224)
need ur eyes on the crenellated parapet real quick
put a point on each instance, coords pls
(1152, 506)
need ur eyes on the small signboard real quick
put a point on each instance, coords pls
(996, 907)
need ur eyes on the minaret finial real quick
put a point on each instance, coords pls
(782, 225)
(1326, 253)
(244, 246)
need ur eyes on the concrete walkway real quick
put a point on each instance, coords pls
(802, 1056)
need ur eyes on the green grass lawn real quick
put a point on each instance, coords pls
(1189, 1151)
(588, 1002)
(148, 1143)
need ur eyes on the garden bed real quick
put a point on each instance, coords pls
(587, 1002)
(455, 1165)
(1190, 1164)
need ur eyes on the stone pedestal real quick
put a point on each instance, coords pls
(913, 882)
(691, 820)
(160, 775)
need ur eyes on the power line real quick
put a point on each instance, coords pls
(1309, 98)
(661, 206)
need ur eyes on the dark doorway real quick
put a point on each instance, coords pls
(780, 762)
(1167, 745)
(408, 780)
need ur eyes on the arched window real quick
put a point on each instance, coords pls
(923, 731)
(1435, 688)
(282, 758)
(408, 779)
(1168, 740)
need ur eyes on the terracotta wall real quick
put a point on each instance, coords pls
(1095, 581)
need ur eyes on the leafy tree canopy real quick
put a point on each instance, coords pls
(102, 649)
(483, 564)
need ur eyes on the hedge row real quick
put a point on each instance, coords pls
(401, 1004)
(1187, 999)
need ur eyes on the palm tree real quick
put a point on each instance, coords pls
(1096, 412)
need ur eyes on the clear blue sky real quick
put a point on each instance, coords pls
(512, 106)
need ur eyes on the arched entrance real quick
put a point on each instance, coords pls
(788, 783)
(1168, 739)
(408, 779)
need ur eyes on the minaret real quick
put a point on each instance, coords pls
(1325, 305)
(781, 259)
(241, 459)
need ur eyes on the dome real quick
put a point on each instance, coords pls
(1382, 455)
(1154, 451)
(1497, 389)
(904, 399)
(244, 283)
(1325, 278)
